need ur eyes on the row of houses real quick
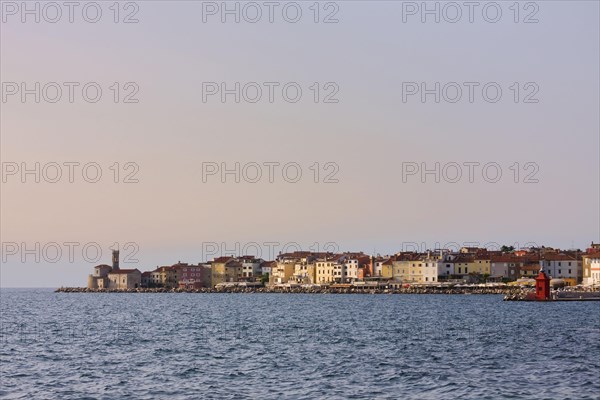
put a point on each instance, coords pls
(467, 265)
(324, 268)
(180, 275)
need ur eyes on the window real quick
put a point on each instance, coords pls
(559, 272)
(569, 271)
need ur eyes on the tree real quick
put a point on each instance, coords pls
(507, 249)
(264, 278)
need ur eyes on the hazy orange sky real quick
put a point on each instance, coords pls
(368, 136)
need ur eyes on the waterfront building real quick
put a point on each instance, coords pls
(99, 278)
(304, 272)
(562, 266)
(505, 266)
(354, 263)
(591, 269)
(173, 274)
(251, 267)
(282, 273)
(528, 270)
(225, 269)
(385, 269)
(510, 266)
(162, 277)
(463, 264)
(340, 272)
(328, 268)
(416, 270)
(267, 267)
(125, 279)
(378, 265)
(195, 276)
(156, 277)
(146, 279)
(445, 267)
(432, 261)
(482, 264)
(430, 270)
(285, 267)
(402, 269)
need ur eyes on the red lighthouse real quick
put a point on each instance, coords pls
(542, 286)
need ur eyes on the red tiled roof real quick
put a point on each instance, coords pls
(354, 254)
(558, 257)
(406, 256)
(364, 260)
(268, 264)
(125, 271)
(507, 258)
(179, 265)
(592, 255)
(464, 258)
(321, 254)
(297, 254)
(222, 259)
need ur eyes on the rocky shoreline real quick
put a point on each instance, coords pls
(528, 294)
(353, 290)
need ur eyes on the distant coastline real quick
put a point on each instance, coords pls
(297, 290)
(471, 269)
(510, 293)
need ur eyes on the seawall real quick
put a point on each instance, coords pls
(354, 290)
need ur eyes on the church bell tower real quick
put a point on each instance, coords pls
(115, 260)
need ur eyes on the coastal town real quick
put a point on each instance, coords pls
(469, 266)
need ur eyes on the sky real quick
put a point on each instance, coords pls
(177, 133)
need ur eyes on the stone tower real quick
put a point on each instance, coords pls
(115, 260)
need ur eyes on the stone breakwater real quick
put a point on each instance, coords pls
(521, 294)
(354, 290)
(528, 294)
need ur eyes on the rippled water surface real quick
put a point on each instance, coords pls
(191, 346)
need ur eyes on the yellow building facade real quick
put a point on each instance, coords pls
(225, 269)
